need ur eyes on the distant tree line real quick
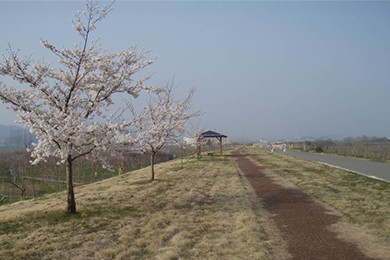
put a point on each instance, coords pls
(374, 148)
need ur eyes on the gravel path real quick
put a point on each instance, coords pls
(302, 222)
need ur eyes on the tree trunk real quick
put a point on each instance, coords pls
(33, 186)
(199, 152)
(23, 190)
(152, 164)
(181, 155)
(71, 201)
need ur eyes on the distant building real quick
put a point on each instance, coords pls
(15, 137)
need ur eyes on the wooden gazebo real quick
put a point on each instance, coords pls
(210, 134)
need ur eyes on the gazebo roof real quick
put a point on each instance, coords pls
(212, 134)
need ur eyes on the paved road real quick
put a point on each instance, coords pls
(372, 169)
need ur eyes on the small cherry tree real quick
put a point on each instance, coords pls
(161, 120)
(64, 106)
(195, 137)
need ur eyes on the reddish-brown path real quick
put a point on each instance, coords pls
(303, 223)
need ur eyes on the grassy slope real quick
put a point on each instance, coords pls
(54, 178)
(201, 211)
(362, 202)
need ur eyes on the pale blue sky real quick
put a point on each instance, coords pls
(261, 69)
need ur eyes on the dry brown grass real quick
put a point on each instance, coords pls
(363, 203)
(203, 211)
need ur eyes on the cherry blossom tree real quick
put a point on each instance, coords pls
(191, 139)
(195, 137)
(66, 106)
(161, 120)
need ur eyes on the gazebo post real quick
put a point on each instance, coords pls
(220, 145)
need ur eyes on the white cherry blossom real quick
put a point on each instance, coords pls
(65, 106)
(161, 120)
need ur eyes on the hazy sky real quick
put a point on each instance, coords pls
(261, 69)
